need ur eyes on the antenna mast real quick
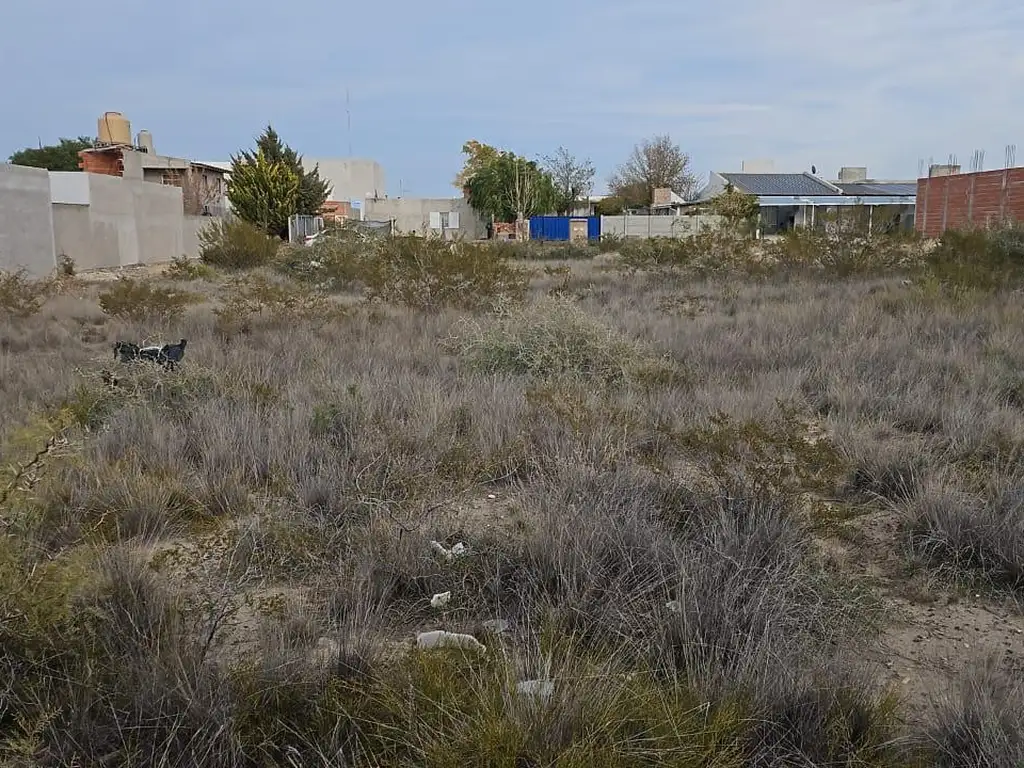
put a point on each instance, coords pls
(348, 117)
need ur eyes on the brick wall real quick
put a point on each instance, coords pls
(108, 163)
(969, 199)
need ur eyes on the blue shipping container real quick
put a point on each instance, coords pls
(558, 228)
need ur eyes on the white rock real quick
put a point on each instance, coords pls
(439, 638)
(458, 550)
(542, 690)
(441, 599)
(497, 626)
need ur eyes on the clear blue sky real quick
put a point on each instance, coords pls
(881, 83)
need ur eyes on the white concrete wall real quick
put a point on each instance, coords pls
(350, 178)
(106, 221)
(69, 187)
(412, 214)
(26, 220)
(657, 226)
(191, 227)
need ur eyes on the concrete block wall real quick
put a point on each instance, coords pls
(964, 200)
(117, 222)
(26, 220)
(97, 220)
(657, 226)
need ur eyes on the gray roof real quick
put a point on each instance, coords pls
(869, 188)
(768, 184)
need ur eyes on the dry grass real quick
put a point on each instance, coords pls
(223, 565)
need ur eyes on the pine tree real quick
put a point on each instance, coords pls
(263, 193)
(313, 190)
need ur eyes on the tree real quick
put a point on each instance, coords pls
(313, 191)
(510, 188)
(654, 164)
(573, 179)
(200, 191)
(477, 157)
(739, 209)
(263, 193)
(62, 156)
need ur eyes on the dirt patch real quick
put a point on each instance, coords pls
(932, 634)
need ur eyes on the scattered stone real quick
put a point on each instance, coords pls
(439, 638)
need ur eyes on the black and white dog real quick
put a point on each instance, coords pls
(167, 356)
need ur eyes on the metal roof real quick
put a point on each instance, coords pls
(772, 201)
(779, 184)
(871, 188)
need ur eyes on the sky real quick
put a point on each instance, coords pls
(885, 84)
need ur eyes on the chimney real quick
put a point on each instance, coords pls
(943, 170)
(849, 174)
(757, 166)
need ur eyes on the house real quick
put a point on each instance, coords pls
(665, 202)
(203, 185)
(790, 200)
(448, 217)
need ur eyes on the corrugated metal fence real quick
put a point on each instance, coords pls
(560, 227)
(300, 227)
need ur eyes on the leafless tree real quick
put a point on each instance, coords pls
(573, 178)
(522, 194)
(201, 192)
(653, 164)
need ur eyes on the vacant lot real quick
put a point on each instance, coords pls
(718, 506)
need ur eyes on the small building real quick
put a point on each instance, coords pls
(203, 185)
(789, 200)
(447, 217)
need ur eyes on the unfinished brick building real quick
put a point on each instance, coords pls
(948, 199)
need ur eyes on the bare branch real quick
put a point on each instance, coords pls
(653, 164)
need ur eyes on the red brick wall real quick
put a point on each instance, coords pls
(107, 163)
(335, 210)
(969, 199)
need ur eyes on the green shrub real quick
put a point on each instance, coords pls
(183, 268)
(137, 300)
(65, 266)
(20, 295)
(333, 262)
(429, 273)
(979, 259)
(553, 338)
(258, 297)
(236, 244)
(710, 252)
(841, 249)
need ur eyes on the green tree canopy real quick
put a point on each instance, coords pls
(62, 156)
(735, 207)
(263, 193)
(508, 187)
(477, 155)
(311, 193)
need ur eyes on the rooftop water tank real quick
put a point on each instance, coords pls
(145, 142)
(114, 128)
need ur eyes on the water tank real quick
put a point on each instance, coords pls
(114, 128)
(145, 142)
